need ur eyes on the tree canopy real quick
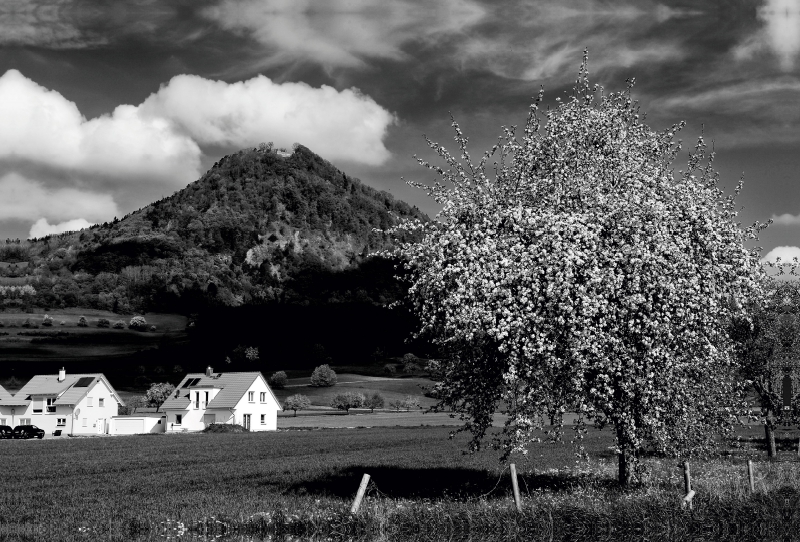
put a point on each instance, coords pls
(581, 271)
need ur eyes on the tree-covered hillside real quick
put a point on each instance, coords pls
(260, 227)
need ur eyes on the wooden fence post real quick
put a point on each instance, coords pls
(687, 482)
(360, 495)
(750, 475)
(515, 486)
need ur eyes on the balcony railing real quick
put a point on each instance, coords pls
(51, 409)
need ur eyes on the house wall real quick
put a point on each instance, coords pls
(49, 421)
(149, 424)
(93, 419)
(269, 408)
(10, 419)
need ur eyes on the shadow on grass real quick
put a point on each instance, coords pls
(438, 483)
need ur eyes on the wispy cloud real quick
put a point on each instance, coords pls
(343, 33)
(779, 35)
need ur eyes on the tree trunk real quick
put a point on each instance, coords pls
(625, 466)
(769, 430)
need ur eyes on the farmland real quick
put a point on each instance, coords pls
(124, 487)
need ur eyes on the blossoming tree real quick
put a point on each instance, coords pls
(582, 271)
(768, 345)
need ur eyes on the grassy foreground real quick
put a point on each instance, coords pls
(302, 483)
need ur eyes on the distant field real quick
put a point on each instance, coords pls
(390, 388)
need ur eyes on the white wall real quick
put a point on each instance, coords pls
(93, 419)
(269, 408)
(149, 424)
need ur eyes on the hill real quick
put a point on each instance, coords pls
(268, 249)
(259, 227)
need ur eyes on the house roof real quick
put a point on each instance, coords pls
(66, 391)
(6, 399)
(232, 387)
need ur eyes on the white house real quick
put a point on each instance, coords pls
(235, 398)
(80, 404)
(9, 407)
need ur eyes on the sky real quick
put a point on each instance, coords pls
(107, 106)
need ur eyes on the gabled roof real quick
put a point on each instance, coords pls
(6, 399)
(232, 387)
(66, 390)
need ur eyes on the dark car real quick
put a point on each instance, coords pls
(5, 431)
(28, 431)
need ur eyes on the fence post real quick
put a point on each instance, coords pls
(750, 475)
(687, 483)
(515, 486)
(360, 495)
(798, 447)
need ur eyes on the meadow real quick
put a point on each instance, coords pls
(302, 482)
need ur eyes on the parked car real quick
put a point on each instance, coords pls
(6, 431)
(28, 431)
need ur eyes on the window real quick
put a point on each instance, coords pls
(251, 396)
(197, 400)
(101, 402)
(37, 403)
(178, 419)
(263, 396)
(24, 421)
(3, 421)
(263, 419)
(51, 405)
(61, 422)
(88, 401)
(83, 422)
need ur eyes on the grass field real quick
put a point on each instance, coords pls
(129, 488)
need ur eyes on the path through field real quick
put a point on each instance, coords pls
(378, 419)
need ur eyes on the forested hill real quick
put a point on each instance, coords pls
(260, 227)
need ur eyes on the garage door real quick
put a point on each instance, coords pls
(128, 427)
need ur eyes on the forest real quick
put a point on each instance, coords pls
(258, 228)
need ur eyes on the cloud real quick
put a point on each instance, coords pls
(786, 219)
(26, 199)
(41, 228)
(336, 124)
(42, 126)
(785, 253)
(779, 36)
(343, 33)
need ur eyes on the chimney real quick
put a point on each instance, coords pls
(62, 375)
(209, 371)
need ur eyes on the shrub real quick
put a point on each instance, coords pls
(346, 401)
(47, 321)
(63, 323)
(152, 328)
(323, 376)
(225, 428)
(410, 363)
(374, 401)
(82, 322)
(296, 402)
(278, 380)
(27, 323)
(138, 323)
(103, 322)
(119, 324)
(2, 324)
(389, 369)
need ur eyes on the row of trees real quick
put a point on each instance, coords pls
(581, 271)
